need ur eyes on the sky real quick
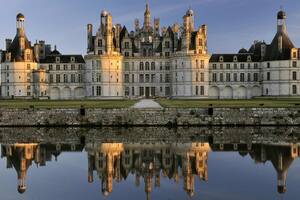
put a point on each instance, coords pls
(232, 24)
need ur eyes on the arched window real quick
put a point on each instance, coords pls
(147, 67)
(153, 66)
(141, 66)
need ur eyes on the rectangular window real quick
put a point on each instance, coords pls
(214, 66)
(235, 77)
(228, 77)
(294, 63)
(202, 64)
(294, 76)
(202, 77)
(126, 91)
(65, 67)
(168, 78)
(268, 76)
(201, 90)
(73, 78)
(214, 77)
(141, 66)
(227, 66)
(294, 89)
(152, 78)
(132, 78)
(51, 78)
(72, 67)
(221, 77)
(132, 91)
(50, 67)
(127, 68)
(242, 66)
(255, 77)
(141, 78)
(98, 91)
(65, 78)
(147, 78)
(153, 66)
(197, 90)
(249, 77)
(126, 78)
(57, 78)
(57, 67)
(141, 91)
(242, 77)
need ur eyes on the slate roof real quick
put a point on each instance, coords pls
(15, 50)
(63, 59)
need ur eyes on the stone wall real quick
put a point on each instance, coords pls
(150, 117)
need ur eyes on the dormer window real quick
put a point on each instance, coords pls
(72, 59)
(8, 57)
(221, 59)
(126, 45)
(57, 59)
(167, 44)
(100, 43)
(249, 59)
(235, 59)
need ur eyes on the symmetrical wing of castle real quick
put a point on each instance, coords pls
(150, 61)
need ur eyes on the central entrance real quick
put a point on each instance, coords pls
(147, 92)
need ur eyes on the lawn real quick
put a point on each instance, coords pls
(261, 102)
(66, 104)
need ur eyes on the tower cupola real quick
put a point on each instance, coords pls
(281, 21)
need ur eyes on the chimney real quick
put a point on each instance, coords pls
(8, 43)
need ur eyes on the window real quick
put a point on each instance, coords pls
(221, 77)
(132, 78)
(221, 66)
(73, 78)
(152, 78)
(57, 67)
(100, 52)
(98, 77)
(242, 66)
(294, 87)
(28, 66)
(65, 78)
(255, 77)
(200, 42)
(142, 91)
(72, 67)
(126, 78)
(168, 78)
(80, 78)
(51, 78)
(153, 66)
(294, 54)
(255, 66)
(126, 45)
(235, 79)
(202, 64)
(57, 78)
(167, 54)
(268, 65)
(100, 43)
(294, 76)
(268, 76)
(227, 66)
(141, 78)
(202, 77)
(147, 78)
(126, 54)
(65, 67)
(197, 90)
(167, 44)
(242, 77)
(127, 68)
(141, 66)
(249, 77)
(201, 90)
(228, 77)
(50, 67)
(214, 66)
(167, 91)
(294, 63)
(214, 78)
(98, 91)
(132, 91)
(235, 66)
(197, 64)
(126, 91)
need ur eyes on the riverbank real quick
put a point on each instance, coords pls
(171, 117)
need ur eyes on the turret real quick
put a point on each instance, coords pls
(137, 25)
(90, 37)
(20, 24)
(281, 21)
(156, 26)
(106, 28)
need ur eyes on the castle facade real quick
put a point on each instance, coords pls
(150, 61)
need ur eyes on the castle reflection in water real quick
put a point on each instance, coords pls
(113, 161)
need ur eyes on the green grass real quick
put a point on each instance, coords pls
(261, 102)
(66, 104)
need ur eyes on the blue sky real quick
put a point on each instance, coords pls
(232, 24)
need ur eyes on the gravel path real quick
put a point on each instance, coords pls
(146, 103)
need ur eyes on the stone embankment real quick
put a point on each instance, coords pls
(151, 117)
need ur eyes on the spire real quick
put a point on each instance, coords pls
(147, 17)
